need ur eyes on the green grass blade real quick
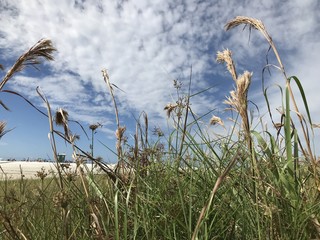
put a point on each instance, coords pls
(287, 129)
(297, 81)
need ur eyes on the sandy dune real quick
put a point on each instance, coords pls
(17, 169)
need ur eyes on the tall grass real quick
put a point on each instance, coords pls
(247, 184)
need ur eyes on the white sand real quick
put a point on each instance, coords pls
(17, 169)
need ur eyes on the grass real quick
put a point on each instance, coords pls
(248, 184)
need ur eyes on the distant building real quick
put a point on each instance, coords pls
(61, 157)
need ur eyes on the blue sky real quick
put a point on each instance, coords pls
(144, 45)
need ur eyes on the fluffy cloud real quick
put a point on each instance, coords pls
(145, 45)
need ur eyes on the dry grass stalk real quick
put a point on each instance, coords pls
(62, 119)
(51, 136)
(120, 129)
(42, 49)
(258, 25)
(238, 97)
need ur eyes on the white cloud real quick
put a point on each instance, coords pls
(145, 45)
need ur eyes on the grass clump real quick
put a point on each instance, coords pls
(247, 184)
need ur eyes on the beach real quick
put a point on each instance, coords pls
(10, 170)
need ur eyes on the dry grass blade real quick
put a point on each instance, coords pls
(2, 128)
(4, 106)
(42, 49)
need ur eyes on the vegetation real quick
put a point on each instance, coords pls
(249, 184)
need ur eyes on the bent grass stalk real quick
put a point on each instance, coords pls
(42, 49)
(120, 130)
(258, 25)
(52, 137)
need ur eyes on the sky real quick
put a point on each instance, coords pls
(144, 45)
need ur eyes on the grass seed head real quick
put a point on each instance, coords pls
(238, 97)
(169, 108)
(61, 117)
(41, 174)
(243, 83)
(93, 127)
(216, 120)
(42, 49)
(158, 132)
(62, 199)
(226, 57)
(119, 132)
(251, 22)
